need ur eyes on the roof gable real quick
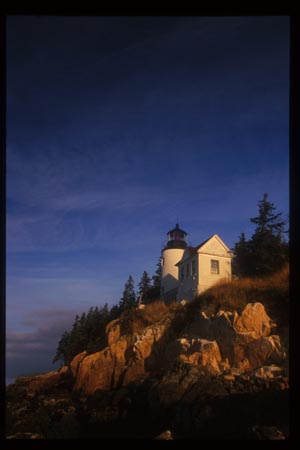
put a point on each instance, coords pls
(214, 246)
(211, 246)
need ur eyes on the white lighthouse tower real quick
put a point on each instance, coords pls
(171, 254)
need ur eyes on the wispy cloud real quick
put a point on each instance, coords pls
(89, 219)
(38, 211)
(33, 351)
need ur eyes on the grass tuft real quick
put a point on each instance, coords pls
(272, 291)
(135, 320)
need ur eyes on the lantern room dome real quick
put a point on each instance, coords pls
(177, 238)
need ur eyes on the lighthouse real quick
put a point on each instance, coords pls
(171, 255)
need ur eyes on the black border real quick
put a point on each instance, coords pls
(225, 10)
(294, 217)
(3, 220)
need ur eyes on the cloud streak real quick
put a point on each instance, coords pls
(33, 351)
(89, 219)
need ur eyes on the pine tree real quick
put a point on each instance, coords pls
(153, 292)
(75, 341)
(115, 312)
(144, 287)
(241, 264)
(266, 221)
(157, 277)
(62, 348)
(128, 299)
(267, 251)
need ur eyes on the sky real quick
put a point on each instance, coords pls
(117, 129)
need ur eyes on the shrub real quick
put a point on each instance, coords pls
(135, 320)
(272, 291)
(154, 311)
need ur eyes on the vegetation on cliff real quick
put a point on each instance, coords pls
(267, 251)
(272, 291)
(88, 330)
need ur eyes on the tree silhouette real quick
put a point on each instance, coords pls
(144, 287)
(266, 251)
(157, 277)
(128, 299)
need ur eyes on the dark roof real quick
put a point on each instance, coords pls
(177, 229)
(191, 251)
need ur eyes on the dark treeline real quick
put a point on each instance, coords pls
(88, 330)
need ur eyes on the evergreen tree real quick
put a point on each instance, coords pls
(269, 250)
(144, 287)
(75, 344)
(157, 277)
(115, 312)
(128, 299)
(266, 221)
(241, 262)
(62, 348)
(87, 333)
(154, 289)
(266, 251)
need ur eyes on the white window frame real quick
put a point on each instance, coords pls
(214, 266)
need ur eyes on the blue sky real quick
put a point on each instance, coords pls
(117, 128)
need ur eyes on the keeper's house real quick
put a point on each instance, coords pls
(188, 271)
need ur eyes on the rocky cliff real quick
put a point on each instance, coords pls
(178, 372)
(225, 342)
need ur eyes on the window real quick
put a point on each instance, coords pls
(182, 274)
(187, 270)
(214, 265)
(193, 268)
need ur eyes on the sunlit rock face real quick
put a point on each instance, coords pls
(195, 351)
(76, 362)
(127, 358)
(254, 319)
(225, 340)
(217, 343)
